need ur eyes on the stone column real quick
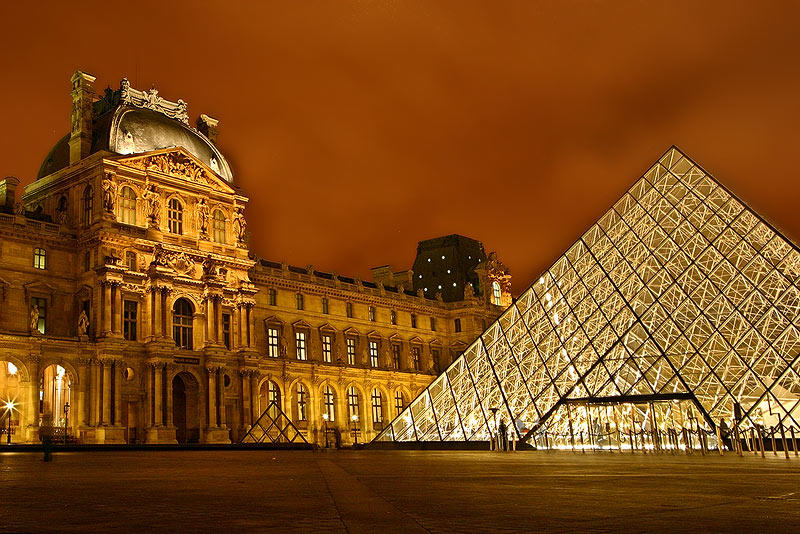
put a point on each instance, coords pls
(255, 408)
(165, 330)
(251, 324)
(106, 392)
(168, 387)
(218, 320)
(221, 398)
(118, 368)
(212, 397)
(146, 319)
(106, 307)
(82, 409)
(116, 290)
(209, 330)
(241, 327)
(157, 332)
(244, 402)
(159, 388)
(33, 397)
(94, 393)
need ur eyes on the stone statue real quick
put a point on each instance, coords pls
(34, 318)
(202, 217)
(209, 267)
(83, 323)
(160, 256)
(239, 225)
(153, 199)
(109, 193)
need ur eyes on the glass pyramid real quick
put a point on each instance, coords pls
(679, 302)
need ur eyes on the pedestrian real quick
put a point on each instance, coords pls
(503, 431)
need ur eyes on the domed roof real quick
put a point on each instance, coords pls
(123, 127)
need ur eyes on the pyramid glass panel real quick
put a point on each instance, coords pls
(680, 306)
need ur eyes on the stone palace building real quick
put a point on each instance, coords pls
(133, 311)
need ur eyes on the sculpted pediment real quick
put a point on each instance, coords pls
(178, 163)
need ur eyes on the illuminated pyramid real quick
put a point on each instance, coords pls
(678, 304)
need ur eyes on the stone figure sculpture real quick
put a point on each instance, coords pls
(83, 323)
(202, 217)
(153, 199)
(34, 318)
(109, 193)
(239, 225)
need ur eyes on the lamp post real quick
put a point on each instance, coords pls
(325, 419)
(493, 432)
(66, 418)
(9, 411)
(354, 418)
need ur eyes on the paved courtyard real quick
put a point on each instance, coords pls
(396, 491)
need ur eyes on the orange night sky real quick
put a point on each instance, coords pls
(358, 128)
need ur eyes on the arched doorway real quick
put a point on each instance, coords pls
(185, 408)
(11, 403)
(54, 401)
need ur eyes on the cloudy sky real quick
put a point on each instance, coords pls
(359, 128)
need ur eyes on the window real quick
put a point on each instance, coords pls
(87, 260)
(302, 402)
(300, 344)
(377, 407)
(39, 258)
(273, 297)
(324, 305)
(129, 312)
(327, 354)
(127, 205)
(349, 309)
(299, 301)
(329, 398)
(372, 313)
(226, 330)
(393, 317)
(413, 321)
(458, 325)
(218, 227)
(415, 352)
(351, 351)
(436, 354)
(130, 260)
(88, 205)
(496, 294)
(396, 356)
(175, 216)
(433, 324)
(373, 353)
(182, 323)
(41, 305)
(273, 342)
(352, 402)
(399, 403)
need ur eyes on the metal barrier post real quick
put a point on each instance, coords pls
(753, 441)
(774, 448)
(719, 442)
(794, 443)
(760, 439)
(783, 442)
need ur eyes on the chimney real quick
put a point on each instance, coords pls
(208, 126)
(80, 140)
(8, 193)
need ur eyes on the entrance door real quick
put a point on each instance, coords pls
(179, 408)
(186, 408)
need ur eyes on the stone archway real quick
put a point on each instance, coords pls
(186, 408)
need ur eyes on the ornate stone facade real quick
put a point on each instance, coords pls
(128, 293)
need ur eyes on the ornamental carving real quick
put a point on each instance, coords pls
(151, 100)
(176, 164)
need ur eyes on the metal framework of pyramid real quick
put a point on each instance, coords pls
(273, 426)
(680, 304)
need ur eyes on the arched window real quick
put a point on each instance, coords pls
(88, 205)
(182, 313)
(175, 216)
(39, 258)
(127, 205)
(329, 401)
(273, 394)
(377, 407)
(496, 294)
(218, 227)
(352, 403)
(399, 402)
(302, 402)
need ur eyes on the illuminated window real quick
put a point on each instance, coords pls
(436, 354)
(399, 402)
(300, 301)
(226, 330)
(324, 305)
(300, 343)
(127, 205)
(273, 398)
(372, 313)
(218, 227)
(352, 402)
(327, 353)
(377, 406)
(393, 317)
(273, 342)
(349, 309)
(373, 353)
(302, 402)
(175, 216)
(182, 313)
(88, 205)
(130, 260)
(458, 325)
(41, 305)
(39, 258)
(496, 294)
(415, 353)
(12, 369)
(433, 324)
(396, 356)
(413, 321)
(273, 297)
(129, 313)
(351, 351)
(329, 398)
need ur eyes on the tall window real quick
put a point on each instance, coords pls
(39, 258)
(373, 353)
(129, 312)
(352, 402)
(324, 305)
(329, 398)
(302, 402)
(396, 356)
(393, 317)
(458, 325)
(413, 321)
(226, 330)
(377, 407)
(127, 205)
(372, 313)
(496, 294)
(273, 297)
(130, 260)
(88, 205)
(351, 351)
(300, 343)
(41, 304)
(273, 342)
(436, 354)
(273, 393)
(433, 324)
(175, 216)
(415, 352)
(349, 309)
(87, 261)
(327, 353)
(300, 302)
(399, 403)
(218, 226)
(182, 323)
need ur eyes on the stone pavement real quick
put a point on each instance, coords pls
(396, 491)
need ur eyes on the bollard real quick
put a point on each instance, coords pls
(753, 441)
(794, 443)
(774, 448)
(760, 439)
(783, 442)
(619, 443)
(583, 448)
(719, 442)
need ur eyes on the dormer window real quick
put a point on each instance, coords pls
(175, 216)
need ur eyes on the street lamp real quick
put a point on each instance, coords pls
(9, 411)
(325, 418)
(354, 419)
(66, 418)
